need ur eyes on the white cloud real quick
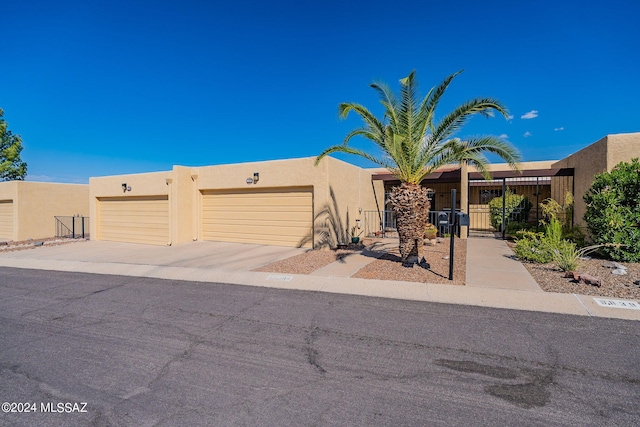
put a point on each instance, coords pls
(503, 136)
(560, 128)
(527, 134)
(510, 117)
(530, 115)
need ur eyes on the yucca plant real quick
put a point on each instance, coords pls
(413, 144)
(567, 257)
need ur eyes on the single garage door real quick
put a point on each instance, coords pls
(6, 219)
(134, 219)
(281, 217)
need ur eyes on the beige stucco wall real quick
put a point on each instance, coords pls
(35, 204)
(351, 185)
(601, 156)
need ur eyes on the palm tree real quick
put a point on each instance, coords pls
(413, 145)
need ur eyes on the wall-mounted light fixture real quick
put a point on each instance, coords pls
(125, 187)
(255, 179)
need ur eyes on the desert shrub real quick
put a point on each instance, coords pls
(553, 234)
(613, 211)
(541, 247)
(513, 228)
(531, 246)
(575, 234)
(565, 256)
(517, 208)
(552, 209)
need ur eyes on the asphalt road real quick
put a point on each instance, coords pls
(144, 352)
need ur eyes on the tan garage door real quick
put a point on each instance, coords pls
(134, 219)
(6, 219)
(281, 217)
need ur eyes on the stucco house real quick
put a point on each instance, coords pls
(294, 203)
(28, 209)
(287, 202)
(284, 202)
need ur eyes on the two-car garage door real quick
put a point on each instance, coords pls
(134, 219)
(282, 217)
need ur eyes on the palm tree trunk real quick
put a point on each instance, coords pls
(411, 205)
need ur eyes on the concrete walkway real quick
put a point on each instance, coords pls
(106, 258)
(491, 264)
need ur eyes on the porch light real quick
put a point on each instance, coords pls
(256, 177)
(124, 187)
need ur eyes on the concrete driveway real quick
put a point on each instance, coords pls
(219, 255)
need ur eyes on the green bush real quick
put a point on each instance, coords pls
(566, 256)
(575, 234)
(514, 227)
(517, 208)
(613, 211)
(542, 247)
(553, 234)
(532, 246)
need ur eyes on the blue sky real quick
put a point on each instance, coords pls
(100, 88)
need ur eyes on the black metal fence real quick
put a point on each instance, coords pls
(529, 192)
(383, 223)
(73, 227)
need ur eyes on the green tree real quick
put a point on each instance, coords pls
(11, 166)
(413, 145)
(613, 211)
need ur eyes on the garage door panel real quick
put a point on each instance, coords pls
(256, 239)
(134, 219)
(266, 216)
(302, 216)
(6, 219)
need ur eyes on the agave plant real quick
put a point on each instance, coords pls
(413, 144)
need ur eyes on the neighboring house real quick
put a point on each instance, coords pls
(286, 202)
(28, 209)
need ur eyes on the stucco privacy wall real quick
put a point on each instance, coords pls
(184, 186)
(601, 156)
(35, 204)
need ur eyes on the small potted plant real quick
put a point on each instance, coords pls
(355, 238)
(430, 231)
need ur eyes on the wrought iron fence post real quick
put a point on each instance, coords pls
(504, 206)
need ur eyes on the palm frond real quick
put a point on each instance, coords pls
(412, 144)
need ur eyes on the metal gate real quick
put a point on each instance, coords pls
(72, 226)
(488, 214)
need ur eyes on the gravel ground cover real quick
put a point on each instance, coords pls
(21, 245)
(551, 279)
(387, 267)
(305, 263)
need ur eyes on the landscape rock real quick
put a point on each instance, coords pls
(611, 264)
(587, 279)
(619, 271)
